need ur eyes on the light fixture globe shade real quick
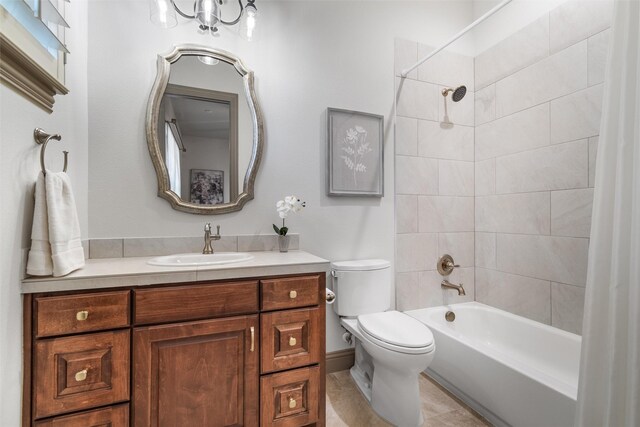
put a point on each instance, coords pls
(207, 13)
(208, 60)
(162, 13)
(248, 22)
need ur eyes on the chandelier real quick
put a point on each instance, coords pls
(207, 14)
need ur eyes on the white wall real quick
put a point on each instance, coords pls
(19, 167)
(312, 55)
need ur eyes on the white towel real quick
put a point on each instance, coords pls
(55, 236)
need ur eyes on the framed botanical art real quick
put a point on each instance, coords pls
(207, 187)
(355, 153)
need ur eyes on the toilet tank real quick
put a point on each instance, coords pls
(361, 287)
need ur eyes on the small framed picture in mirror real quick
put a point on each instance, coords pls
(355, 153)
(207, 187)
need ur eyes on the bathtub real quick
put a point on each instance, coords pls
(512, 370)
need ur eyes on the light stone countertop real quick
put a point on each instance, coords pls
(119, 272)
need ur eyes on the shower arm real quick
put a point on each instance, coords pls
(475, 23)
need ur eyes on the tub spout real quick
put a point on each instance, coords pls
(446, 284)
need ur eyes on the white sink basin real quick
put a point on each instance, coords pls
(194, 260)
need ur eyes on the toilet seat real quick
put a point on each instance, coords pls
(397, 332)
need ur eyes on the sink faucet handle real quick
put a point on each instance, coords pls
(217, 230)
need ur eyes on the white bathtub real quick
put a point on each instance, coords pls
(512, 370)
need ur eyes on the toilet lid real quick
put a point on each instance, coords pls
(396, 328)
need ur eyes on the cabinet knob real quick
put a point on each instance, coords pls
(292, 341)
(292, 402)
(293, 294)
(82, 315)
(81, 375)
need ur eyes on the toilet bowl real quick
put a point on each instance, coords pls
(392, 348)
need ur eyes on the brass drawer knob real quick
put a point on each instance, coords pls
(293, 294)
(81, 375)
(292, 402)
(292, 341)
(82, 315)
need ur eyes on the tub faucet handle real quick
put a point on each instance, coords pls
(446, 265)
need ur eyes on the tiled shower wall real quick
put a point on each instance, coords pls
(538, 108)
(538, 97)
(434, 176)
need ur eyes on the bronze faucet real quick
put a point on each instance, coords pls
(208, 238)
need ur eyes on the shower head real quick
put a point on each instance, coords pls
(458, 93)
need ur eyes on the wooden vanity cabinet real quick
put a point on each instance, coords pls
(229, 353)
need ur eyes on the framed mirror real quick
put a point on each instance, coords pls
(204, 130)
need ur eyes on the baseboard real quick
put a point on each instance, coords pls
(340, 360)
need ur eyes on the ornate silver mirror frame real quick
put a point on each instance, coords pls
(153, 110)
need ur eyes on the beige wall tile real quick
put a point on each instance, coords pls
(557, 167)
(416, 175)
(415, 252)
(485, 252)
(445, 142)
(526, 47)
(445, 214)
(577, 115)
(575, 20)
(485, 182)
(598, 49)
(406, 136)
(446, 68)
(593, 154)
(407, 291)
(525, 213)
(455, 178)
(557, 259)
(485, 108)
(520, 295)
(571, 212)
(558, 75)
(417, 99)
(567, 307)
(406, 214)
(515, 133)
(459, 245)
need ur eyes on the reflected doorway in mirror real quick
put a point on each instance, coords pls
(207, 187)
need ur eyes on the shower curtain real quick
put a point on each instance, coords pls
(609, 388)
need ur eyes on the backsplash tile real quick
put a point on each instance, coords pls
(268, 242)
(106, 248)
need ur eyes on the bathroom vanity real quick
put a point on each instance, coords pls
(124, 343)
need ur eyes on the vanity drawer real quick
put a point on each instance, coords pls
(176, 303)
(289, 292)
(80, 372)
(290, 339)
(290, 399)
(71, 314)
(113, 416)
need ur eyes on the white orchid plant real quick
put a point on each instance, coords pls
(290, 204)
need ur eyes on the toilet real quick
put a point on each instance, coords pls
(391, 348)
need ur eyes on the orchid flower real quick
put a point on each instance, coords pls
(284, 208)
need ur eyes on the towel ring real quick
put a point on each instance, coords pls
(43, 139)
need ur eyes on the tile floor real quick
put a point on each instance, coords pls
(347, 407)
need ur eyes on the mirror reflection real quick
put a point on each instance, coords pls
(205, 130)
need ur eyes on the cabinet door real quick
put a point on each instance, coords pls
(197, 373)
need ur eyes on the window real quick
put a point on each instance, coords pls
(32, 33)
(172, 159)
